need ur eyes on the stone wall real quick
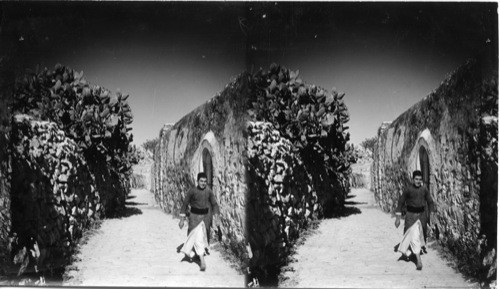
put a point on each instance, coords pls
(141, 177)
(361, 170)
(271, 176)
(5, 167)
(446, 126)
(54, 197)
(217, 128)
(7, 76)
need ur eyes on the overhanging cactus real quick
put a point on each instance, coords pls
(313, 119)
(97, 120)
(298, 162)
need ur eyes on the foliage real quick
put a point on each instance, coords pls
(92, 116)
(369, 143)
(136, 154)
(314, 121)
(358, 180)
(298, 163)
(137, 181)
(150, 144)
(53, 182)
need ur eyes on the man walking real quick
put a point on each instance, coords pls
(203, 206)
(415, 197)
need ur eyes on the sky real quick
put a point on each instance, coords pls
(171, 57)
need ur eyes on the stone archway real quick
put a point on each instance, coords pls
(207, 159)
(424, 166)
(423, 158)
(208, 167)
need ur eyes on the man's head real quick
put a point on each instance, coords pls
(202, 180)
(417, 178)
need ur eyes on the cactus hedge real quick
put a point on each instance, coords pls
(298, 166)
(97, 120)
(314, 121)
(72, 161)
(54, 197)
(283, 200)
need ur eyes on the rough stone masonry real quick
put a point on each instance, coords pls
(451, 135)
(7, 77)
(276, 153)
(211, 139)
(5, 169)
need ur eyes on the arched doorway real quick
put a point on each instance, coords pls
(424, 166)
(207, 167)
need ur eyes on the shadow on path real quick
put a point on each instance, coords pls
(355, 203)
(135, 204)
(139, 248)
(125, 213)
(349, 208)
(129, 210)
(359, 251)
(345, 212)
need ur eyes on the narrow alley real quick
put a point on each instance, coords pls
(140, 249)
(357, 251)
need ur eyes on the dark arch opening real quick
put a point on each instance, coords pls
(207, 167)
(424, 166)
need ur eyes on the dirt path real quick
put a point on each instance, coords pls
(141, 250)
(357, 251)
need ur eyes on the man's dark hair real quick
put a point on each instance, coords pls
(417, 173)
(201, 176)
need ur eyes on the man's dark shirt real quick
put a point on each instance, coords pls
(415, 197)
(200, 199)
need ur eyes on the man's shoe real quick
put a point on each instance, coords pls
(419, 262)
(203, 265)
(419, 266)
(187, 258)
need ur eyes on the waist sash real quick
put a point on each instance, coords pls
(199, 211)
(415, 209)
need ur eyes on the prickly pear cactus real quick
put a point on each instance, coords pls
(314, 121)
(96, 119)
(91, 115)
(72, 163)
(298, 163)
